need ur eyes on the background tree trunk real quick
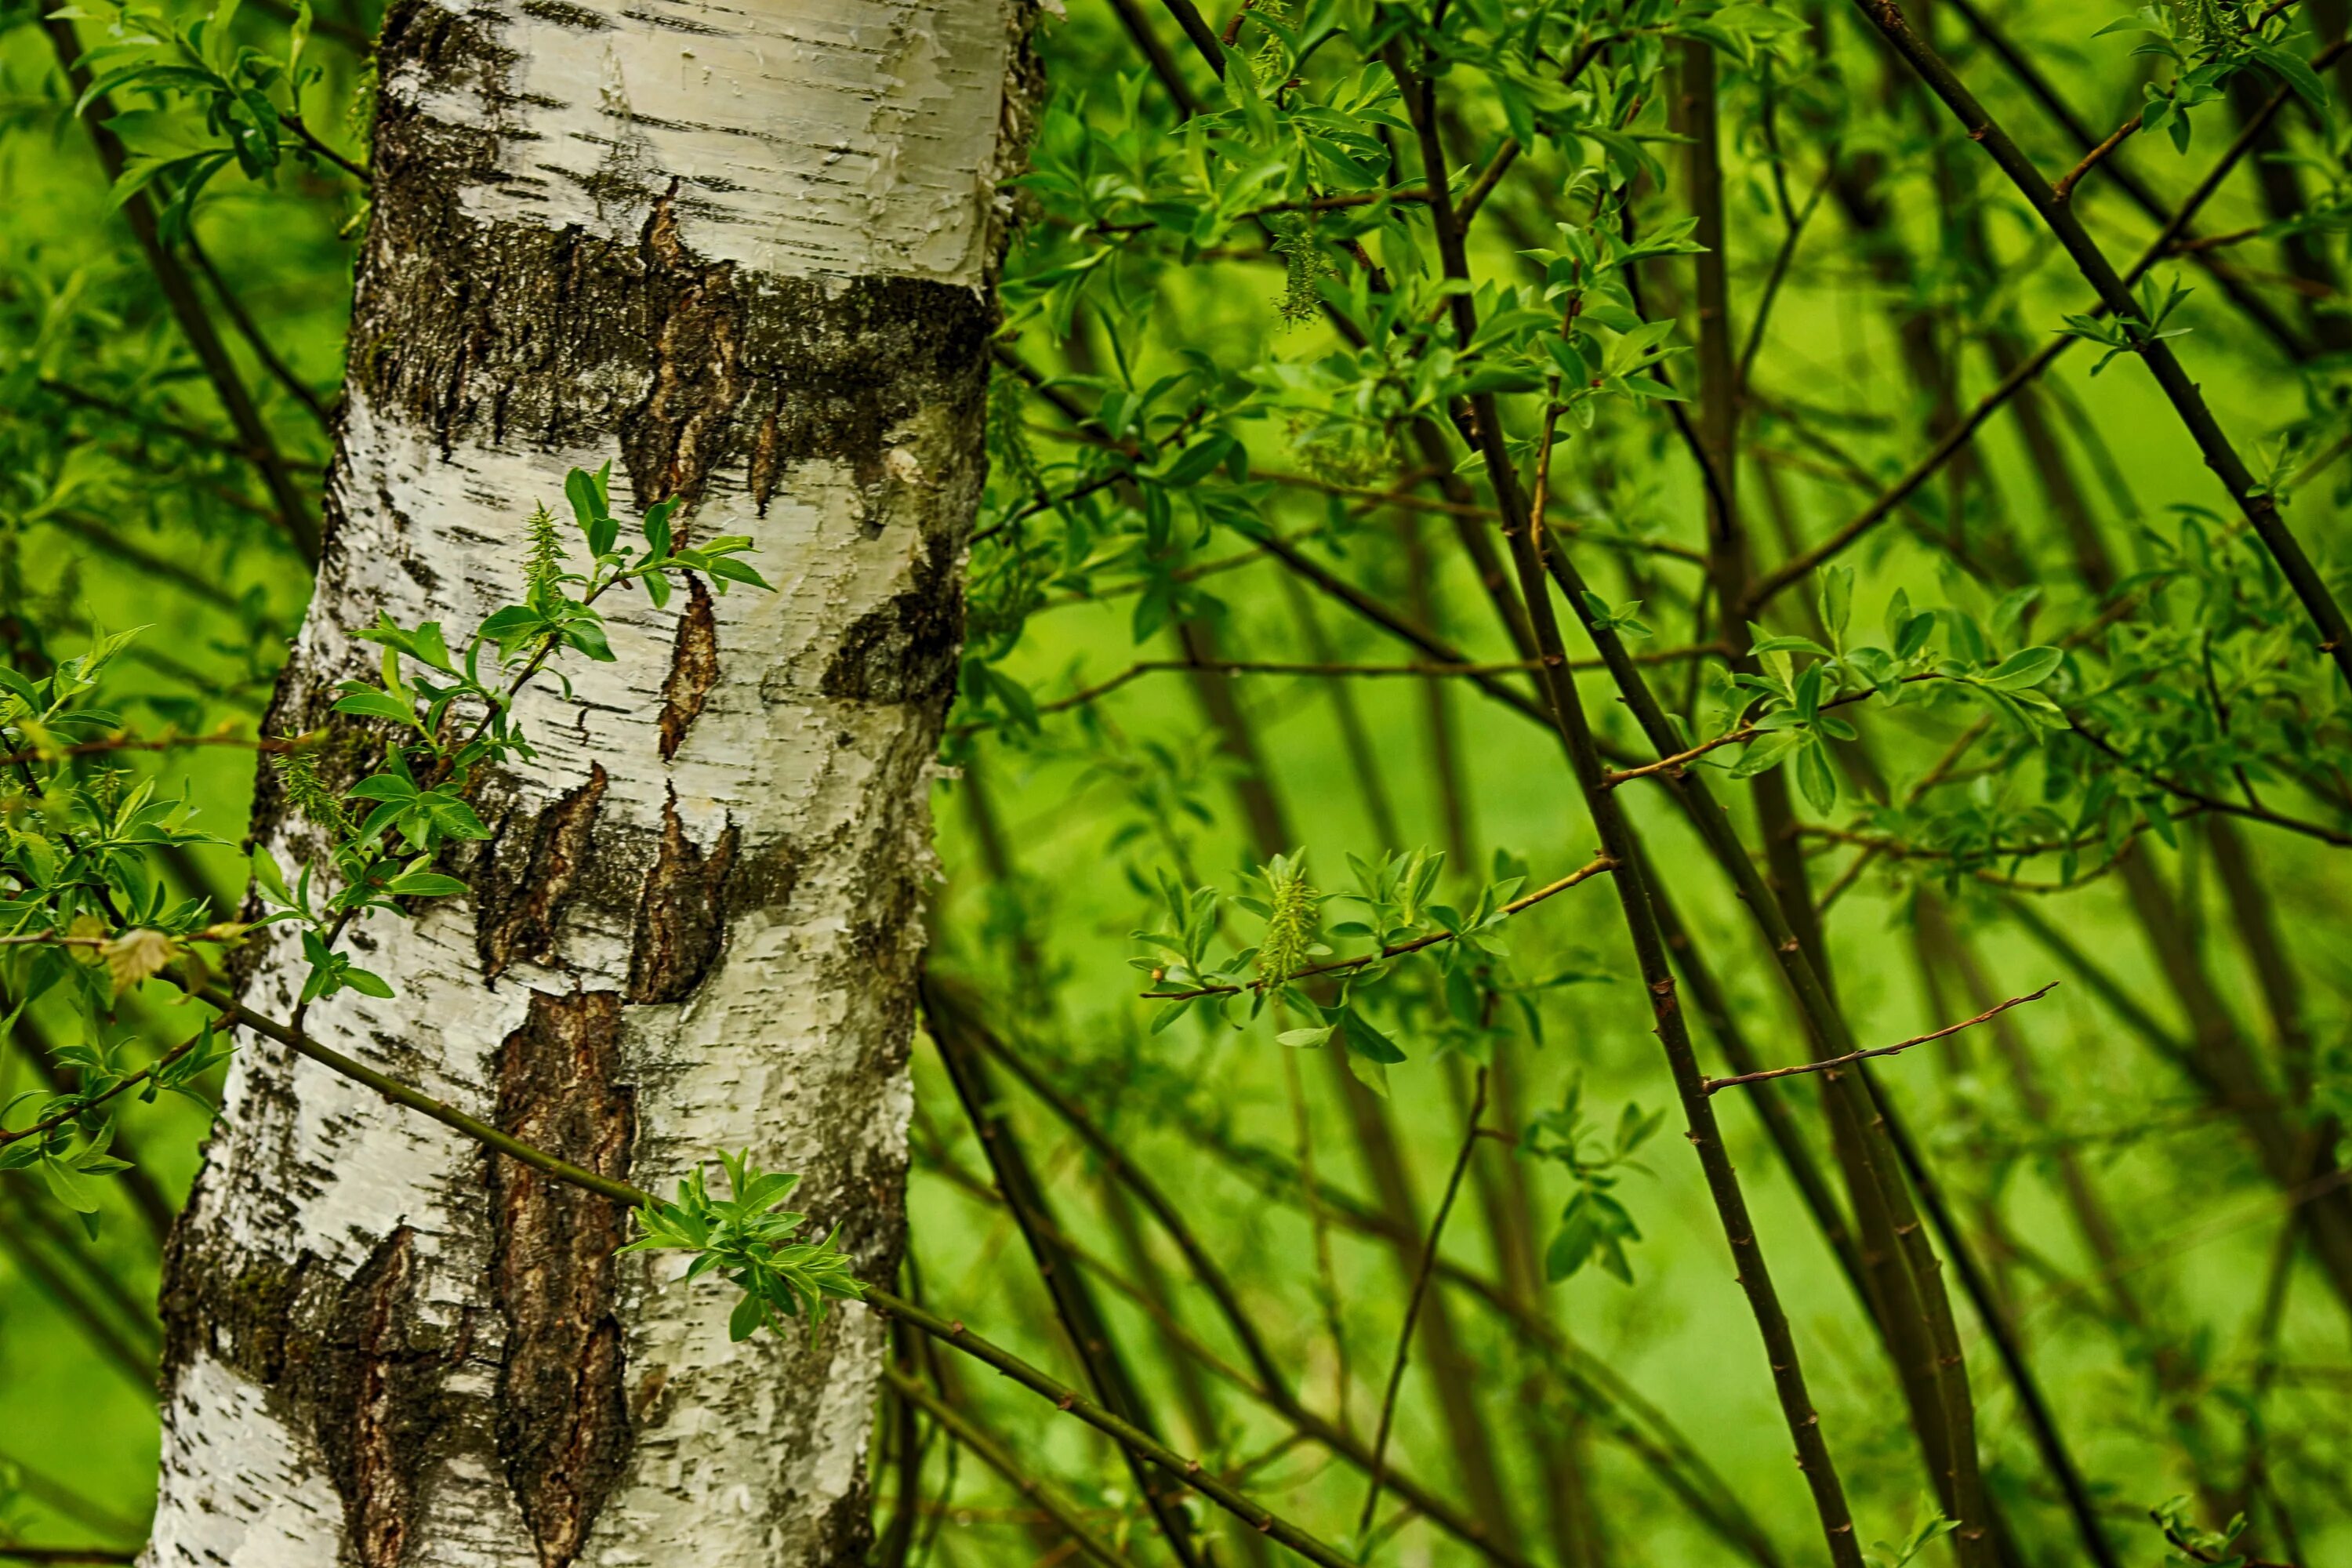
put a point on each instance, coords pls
(746, 250)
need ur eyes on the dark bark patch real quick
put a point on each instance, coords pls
(905, 650)
(564, 14)
(675, 435)
(682, 918)
(563, 1428)
(518, 913)
(693, 668)
(374, 1397)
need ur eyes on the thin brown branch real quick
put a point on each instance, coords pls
(1412, 1308)
(1714, 1084)
(1050, 1501)
(2062, 188)
(1964, 429)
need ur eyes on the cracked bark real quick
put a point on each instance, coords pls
(748, 253)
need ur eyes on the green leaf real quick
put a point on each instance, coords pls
(1814, 778)
(425, 885)
(67, 1187)
(2027, 667)
(585, 491)
(1766, 752)
(1366, 1041)
(366, 982)
(367, 702)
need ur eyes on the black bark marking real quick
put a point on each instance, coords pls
(374, 1400)
(517, 914)
(907, 649)
(564, 1427)
(693, 668)
(671, 439)
(524, 334)
(564, 14)
(682, 919)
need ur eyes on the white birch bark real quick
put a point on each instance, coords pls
(745, 247)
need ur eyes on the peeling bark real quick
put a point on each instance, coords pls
(747, 251)
(683, 915)
(564, 1416)
(693, 670)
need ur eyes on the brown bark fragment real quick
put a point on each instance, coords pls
(374, 1400)
(693, 668)
(563, 1428)
(683, 917)
(674, 437)
(517, 916)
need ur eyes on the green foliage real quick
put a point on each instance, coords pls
(2192, 1543)
(1596, 1226)
(1932, 1526)
(215, 102)
(750, 1239)
(2132, 334)
(1235, 351)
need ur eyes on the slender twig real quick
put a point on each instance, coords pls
(1412, 1308)
(78, 1104)
(1307, 1426)
(1481, 426)
(1781, 261)
(1964, 429)
(172, 427)
(1673, 1459)
(1714, 1084)
(257, 340)
(1191, 1472)
(2062, 188)
(1074, 1303)
(1675, 762)
(1395, 949)
(15, 1552)
(2040, 88)
(293, 122)
(164, 742)
(1162, 1210)
(208, 587)
(2254, 813)
(180, 293)
(2113, 289)
(1050, 1501)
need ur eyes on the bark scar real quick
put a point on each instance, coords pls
(682, 919)
(520, 919)
(376, 1401)
(563, 1428)
(693, 668)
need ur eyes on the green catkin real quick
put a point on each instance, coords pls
(1008, 443)
(2207, 21)
(298, 775)
(1290, 922)
(1303, 262)
(544, 566)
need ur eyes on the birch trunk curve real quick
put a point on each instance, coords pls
(745, 249)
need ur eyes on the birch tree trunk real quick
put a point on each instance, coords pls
(745, 245)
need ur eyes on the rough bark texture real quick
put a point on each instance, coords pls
(746, 252)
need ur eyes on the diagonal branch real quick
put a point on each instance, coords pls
(2220, 455)
(1714, 1084)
